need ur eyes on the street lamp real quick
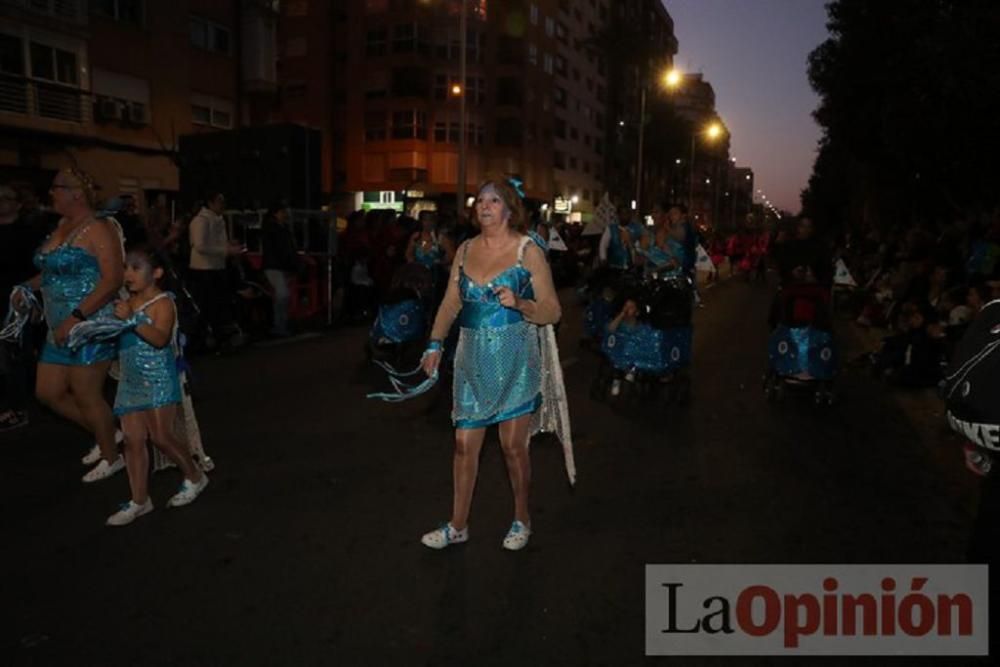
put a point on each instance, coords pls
(712, 132)
(671, 79)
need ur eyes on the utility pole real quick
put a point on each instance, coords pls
(462, 129)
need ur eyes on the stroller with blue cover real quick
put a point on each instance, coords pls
(400, 328)
(647, 352)
(801, 350)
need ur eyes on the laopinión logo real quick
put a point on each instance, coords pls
(816, 610)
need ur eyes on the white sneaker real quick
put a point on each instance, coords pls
(103, 470)
(94, 455)
(616, 387)
(517, 537)
(129, 512)
(188, 492)
(444, 536)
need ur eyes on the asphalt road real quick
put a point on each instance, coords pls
(304, 550)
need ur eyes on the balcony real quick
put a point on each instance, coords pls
(36, 99)
(66, 10)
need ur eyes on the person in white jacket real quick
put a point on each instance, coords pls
(210, 248)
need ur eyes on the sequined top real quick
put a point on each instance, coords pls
(149, 375)
(430, 256)
(69, 274)
(497, 361)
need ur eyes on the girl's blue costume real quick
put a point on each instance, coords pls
(149, 376)
(659, 256)
(69, 275)
(619, 256)
(430, 257)
(497, 361)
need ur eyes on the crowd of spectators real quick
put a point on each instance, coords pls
(923, 284)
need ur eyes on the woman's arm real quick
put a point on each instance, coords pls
(544, 308)
(450, 306)
(161, 331)
(411, 248)
(105, 245)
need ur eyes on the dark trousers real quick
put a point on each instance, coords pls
(15, 366)
(210, 289)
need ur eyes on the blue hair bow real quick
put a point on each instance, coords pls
(517, 184)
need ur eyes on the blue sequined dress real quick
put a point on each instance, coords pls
(429, 257)
(69, 274)
(498, 359)
(149, 375)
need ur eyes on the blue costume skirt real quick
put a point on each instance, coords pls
(497, 374)
(149, 376)
(82, 356)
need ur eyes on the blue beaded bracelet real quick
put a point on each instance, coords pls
(435, 346)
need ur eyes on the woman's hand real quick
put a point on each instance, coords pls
(430, 362)
(62, 331)
(123, 310)
(506, 297)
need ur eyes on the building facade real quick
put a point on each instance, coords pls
(110, 85)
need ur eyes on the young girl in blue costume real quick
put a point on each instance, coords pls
(506, 365)
(149, 391)
(663, 247)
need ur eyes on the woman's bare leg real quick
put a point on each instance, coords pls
(514, 435)
(52, 389)
(465, 469)
(87, 387)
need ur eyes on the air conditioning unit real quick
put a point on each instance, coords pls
(108, 109)
(138, 114)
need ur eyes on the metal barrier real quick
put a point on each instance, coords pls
(315, 235)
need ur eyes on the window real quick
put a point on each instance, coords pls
(547, 63)
(11, 55)
(510, 91)
(560, 97)
(377, 85)
(560, 64)
(558, 161)
(559, 127)
(561, 32)
(52, 64)
(296, 47)
(586, 167)
(509, 51)
(572, 162)
(411, 82)
(550, 26)
(375, 126)
(375, 43)
(573, 133)
(125, 11)
(533, 14)
(408, 38)
(211, 111)
(294, 89)
(532, 54)
(209, 35)
(409, 124)
(509, 132)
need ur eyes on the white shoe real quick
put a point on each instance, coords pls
(517, 537)
(94, 455)
(444, 536)
(129, 512)
(103, 470)
(188, 492)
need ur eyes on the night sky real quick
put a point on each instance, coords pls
(754, 54)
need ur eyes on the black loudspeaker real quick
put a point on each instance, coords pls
(253, 167)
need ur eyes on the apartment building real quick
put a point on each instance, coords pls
(110, 85)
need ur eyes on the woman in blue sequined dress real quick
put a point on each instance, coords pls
(149, 390)
(81, 273)
(501, 292)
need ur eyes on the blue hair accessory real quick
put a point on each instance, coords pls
(517, 184)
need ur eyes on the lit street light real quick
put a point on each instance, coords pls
(671, 80)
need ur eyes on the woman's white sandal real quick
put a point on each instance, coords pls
(445, 536)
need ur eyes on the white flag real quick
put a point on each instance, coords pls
(842, 276)
(555, 241)
(703, 262)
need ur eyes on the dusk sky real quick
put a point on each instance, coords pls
(753, 52)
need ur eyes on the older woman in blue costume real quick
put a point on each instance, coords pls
(501, 293)
(81, 273)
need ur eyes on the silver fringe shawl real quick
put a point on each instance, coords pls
(553, 415)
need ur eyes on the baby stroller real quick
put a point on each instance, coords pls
(401, 324)
(652, 356)
(801, 350)
(603, 290)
